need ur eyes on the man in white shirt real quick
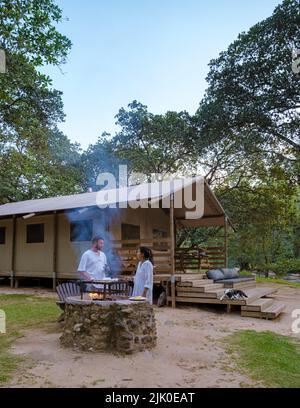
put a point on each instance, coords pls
(93, 262)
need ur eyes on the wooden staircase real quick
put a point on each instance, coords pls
(192, 288)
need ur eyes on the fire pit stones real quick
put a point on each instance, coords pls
(120, 326)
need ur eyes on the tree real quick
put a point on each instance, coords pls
(36, 159)
(154, 143)
(253, 96)
(147, 143)
(27, 27)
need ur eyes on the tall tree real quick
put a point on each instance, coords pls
(147, 143)
(36, 159)
(28, 27)
(253, 95)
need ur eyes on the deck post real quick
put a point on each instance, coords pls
(172, 236)
(226, 241)
(13, 249)
(55, 247)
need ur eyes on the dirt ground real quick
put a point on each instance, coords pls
(189, 352)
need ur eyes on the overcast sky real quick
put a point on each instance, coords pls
(154, 51)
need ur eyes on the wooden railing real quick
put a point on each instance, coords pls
(197, 259)
(186, 259)
(126, 250)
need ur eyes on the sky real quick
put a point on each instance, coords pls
(153, 51)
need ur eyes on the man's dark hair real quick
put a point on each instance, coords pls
(96, 238)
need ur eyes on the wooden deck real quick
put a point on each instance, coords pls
(194, 290)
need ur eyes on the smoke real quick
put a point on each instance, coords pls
(87, 222)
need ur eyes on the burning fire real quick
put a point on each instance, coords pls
(96, 296)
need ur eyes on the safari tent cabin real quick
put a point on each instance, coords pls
(45, 238)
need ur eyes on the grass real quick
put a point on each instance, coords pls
(277, 280)
(22, 312)
(267, 357)
(271, 280)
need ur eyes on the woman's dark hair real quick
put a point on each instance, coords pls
(147, 253)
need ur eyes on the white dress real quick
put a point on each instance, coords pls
(144, 279)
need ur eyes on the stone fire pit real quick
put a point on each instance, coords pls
(120, 326)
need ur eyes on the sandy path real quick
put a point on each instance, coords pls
(188, 354)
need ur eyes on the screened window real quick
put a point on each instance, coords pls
(81, 230)
(35, 233)
(160, 233)
(2, 235)
(129, 231)
(157, 234)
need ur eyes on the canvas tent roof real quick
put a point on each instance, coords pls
(134, 195)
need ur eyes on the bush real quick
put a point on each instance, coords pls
(281, 267)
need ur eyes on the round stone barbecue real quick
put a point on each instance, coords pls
(120, 326)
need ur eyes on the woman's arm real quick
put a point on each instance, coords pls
(148, 278)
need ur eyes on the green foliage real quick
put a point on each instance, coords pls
(267, 221)
(36, 159)
(28, 27)
(147, 143)
(253, 96)
(281, 267)
(267, 357)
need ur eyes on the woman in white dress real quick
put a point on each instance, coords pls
(143, 280)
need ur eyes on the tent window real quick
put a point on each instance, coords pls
(130, 231)
(81, 230)
(160, 233)
(35, 233)
(2, 235)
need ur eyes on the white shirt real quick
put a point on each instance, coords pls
(93, 263)
(144, 279)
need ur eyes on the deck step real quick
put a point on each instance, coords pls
(213, 287)
(258, 305)
(195, 289)
(240, 285)
(270, 312)
(190, 276)
(196, 282)
(197, 295)
(274, 310)
(256, 293)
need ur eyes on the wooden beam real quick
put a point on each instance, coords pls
(226, 240)
(173, 278)
(13, 256)
(204, 217)
(55, 249)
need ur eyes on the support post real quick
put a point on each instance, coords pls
(55, 247)
(226, 240)
(173, 278)
(13, 256)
